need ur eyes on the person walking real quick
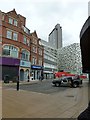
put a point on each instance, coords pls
(28, 78)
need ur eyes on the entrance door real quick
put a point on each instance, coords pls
(26, 74)
(21, 74)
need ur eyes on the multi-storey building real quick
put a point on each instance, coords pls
(88, 8)
(36, 56)
(69, 58)
(55, 37)
(16, 42)
(50, 60)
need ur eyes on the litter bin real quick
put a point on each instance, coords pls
(6, 79)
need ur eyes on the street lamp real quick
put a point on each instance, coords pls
(18, 83)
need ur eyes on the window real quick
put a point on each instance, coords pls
(25, 55)
(15, 35)
(28, 43)
(34, 49)
(9, 34)
(2, 17)
(26, 30)
(34, 41)
(24, 40)
(34, 61)
(9, 50)
(15, 22)
(0, 39)
(10, 20)
(40, 52)
(40, 62)
(6, 52)
(12, 35)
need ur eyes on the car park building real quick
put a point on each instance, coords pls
(69, 58)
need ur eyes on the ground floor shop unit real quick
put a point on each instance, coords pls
(24, 70)
(36, 72)
(49, 73)
(10, 68)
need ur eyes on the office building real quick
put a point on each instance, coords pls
(55, 37)
(50, 60)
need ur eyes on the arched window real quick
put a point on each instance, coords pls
(10, 50)
(25, 54)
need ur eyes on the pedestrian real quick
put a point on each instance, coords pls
(39, 77)
(28, 78)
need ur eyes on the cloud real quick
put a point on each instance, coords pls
(42, 16)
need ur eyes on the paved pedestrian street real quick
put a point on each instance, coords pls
(66, 103)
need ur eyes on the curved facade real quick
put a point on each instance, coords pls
(85, 46)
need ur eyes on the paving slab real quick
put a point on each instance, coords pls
(28, 104)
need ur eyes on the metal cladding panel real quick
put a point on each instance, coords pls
(85, 50)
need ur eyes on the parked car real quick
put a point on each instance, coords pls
(69, 80)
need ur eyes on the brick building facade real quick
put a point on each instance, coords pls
(17, 44)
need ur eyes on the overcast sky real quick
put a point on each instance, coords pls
(43, 15)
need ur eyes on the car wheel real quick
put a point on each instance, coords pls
(57, 84)
(75, 85)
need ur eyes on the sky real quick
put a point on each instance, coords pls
(43, 15)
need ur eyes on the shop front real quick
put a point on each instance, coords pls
(48, 75)
(10, 68)
(36, 71)
(24, 70)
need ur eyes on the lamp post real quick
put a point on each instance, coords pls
(18, 83)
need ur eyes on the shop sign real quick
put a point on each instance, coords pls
(24, 63)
